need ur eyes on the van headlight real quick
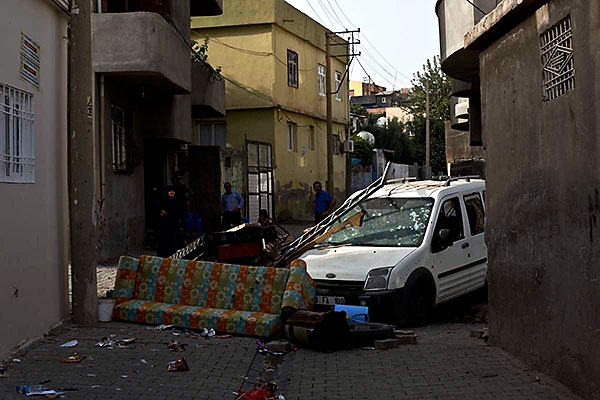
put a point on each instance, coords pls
(377, 279)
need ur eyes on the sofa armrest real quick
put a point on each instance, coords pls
(126, 276)
(300, 288)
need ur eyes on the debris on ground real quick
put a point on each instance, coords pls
(281, 346)
(74, 359)
(263, 349)
(37, 390)
(71, 343)
(176, 346)
(178, 365)
(106, 342)
(480, 334)
(208, 332)
(3, 370)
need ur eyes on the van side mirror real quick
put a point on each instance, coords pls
(445, 236)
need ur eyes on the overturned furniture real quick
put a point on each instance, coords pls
(228, 298)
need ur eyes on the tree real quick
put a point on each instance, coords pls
(439, 100)
(393, 137)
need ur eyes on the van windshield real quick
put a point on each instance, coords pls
(388, 222)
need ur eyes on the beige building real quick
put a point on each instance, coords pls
(273, 60)
(33, 170)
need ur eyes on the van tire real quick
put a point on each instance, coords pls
(419, 303)
(366, 333)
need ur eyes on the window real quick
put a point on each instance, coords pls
(122, 140)
(450, 217)
(212, 134)
(475, 213)
(558, 65)
(321, 79)
(17, 146)
(383, 100)
(338, 84)
(311, 138)
(291, 137)
(292, 65)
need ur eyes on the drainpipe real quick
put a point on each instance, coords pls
(99, 6)
(102, 142)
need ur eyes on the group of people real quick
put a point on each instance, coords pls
(173, 210)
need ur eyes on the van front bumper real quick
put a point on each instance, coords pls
(384, 305)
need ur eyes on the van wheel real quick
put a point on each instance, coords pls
(419, 304)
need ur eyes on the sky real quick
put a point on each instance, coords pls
(404, 32)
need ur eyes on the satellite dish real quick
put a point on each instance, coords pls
(367, 136)
(382, 122)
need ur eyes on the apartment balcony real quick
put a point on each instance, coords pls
(456, 19)
(208, 92)
(199, 8)
(142, 48)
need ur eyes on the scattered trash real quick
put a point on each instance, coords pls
(119, 389)
(74, 359)
(37, 390)
(3, 370)
(226, 336)
(16, 360)
(175, 346)
(178, 365)
(44, 381)
(163, 327)
(143, 361)
(106, 342)
(368, 348)
(71, 343)
(124, 376)
(262, 349)
(480, 334)
(259, 393)
(95, 386)
(537, 379)
(403, 332)
(386, 344)
(208, 333)
(177, 332)
(91, 375)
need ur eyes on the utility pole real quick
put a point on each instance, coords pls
(427, 133)
(329, 93)
(82, 165)
(330, 183)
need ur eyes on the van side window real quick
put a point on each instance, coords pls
(475, 213)
(450, 217)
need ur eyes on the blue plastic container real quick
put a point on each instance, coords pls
(355, 313)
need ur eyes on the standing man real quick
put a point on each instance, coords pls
(231, 204)
(323, 202)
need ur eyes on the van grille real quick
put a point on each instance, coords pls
(342, 287)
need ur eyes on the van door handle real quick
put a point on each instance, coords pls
(465, 245)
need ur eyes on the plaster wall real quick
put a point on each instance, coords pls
(34, 216)
(543, 191)
(123, 213)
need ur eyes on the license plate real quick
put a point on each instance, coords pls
(329, 300)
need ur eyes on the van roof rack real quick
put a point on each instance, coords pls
(467, 178)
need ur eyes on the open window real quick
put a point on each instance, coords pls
(449, 225)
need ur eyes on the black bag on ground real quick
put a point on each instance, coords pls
(321, 331)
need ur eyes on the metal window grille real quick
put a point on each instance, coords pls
(260, 179)
(558, 67)
(338, 84)
(122, 140)
(292, 68)
(17, 136)
(321, 79)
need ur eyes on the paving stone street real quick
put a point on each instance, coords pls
(447, 363)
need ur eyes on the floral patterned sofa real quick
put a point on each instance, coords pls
(199, 294)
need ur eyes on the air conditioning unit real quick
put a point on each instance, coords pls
(348, 146)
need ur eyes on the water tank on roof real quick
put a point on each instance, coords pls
(367, 136)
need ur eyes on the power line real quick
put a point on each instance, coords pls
(333, 25)
(372, 45)
(260, 96)
(368, 76)
(315, 11)
(374, 59)
(335, 14)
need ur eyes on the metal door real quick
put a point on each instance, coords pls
(260, 179)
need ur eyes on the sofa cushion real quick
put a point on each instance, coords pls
(211, 285)
(193, 317)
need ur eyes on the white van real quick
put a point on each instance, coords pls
(419, 244)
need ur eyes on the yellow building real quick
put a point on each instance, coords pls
(273, 59)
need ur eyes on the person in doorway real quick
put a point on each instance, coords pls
(168, 225)
(182, 196)
(263, 218)
(231, 204)
(323, 202)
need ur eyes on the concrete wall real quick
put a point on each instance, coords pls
(458, 145)
(34, 217)
(543, 190)
(123, 197)
(142, 44)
